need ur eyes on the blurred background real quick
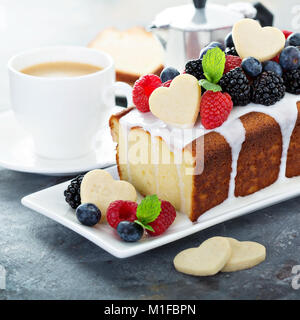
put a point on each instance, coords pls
(34, 23)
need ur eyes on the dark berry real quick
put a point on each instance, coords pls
(88, 214)
(130, 231)
(252, 67)
(290, 58)
(209, 47)
(273, 66)
(229, 41)
(194, 67)
(72, 193)
(268, 88)
(237, 85)
(230, 51)
(293, 39)
(292, 81)
(216, 44)
(203, 52)
(169, 73)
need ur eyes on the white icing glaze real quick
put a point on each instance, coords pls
(155, 160)
(284, 112)
(234, 133)
(181, 188)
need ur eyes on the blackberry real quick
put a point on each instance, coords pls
(72, 193)
(194, 67)
(237, 85)
(230, 51)
(268, 88)
(292, 81)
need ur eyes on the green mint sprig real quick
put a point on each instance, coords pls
(148, 211)
(213, 64)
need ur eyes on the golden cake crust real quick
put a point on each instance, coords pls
(211, 187)
(259, 159)
(131, 78)
(293, 157)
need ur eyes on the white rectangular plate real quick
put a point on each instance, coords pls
(51, 203)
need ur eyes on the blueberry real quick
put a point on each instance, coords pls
(273, 66)
(169, 73)
(216, 44)
(210, 46)
(229, 41)
(252, 67)
(130, 231)
(88, 214)
(290, 58)
(203, 51)
(293, 39)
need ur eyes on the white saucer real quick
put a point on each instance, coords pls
(17, 152)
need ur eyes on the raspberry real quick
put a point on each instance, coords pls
(232, 62)
(276, 59)
(121, 210)
(164, 220)
(167, 83)
(215, 108)
(142, 90)
(286, 33)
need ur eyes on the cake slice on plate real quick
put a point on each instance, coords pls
(135, 51)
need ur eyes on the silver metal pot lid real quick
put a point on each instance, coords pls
(204, 18)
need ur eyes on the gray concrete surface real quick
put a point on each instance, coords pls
(44, 260)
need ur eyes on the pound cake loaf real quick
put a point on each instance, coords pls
(234, 133)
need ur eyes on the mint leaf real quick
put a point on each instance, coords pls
(213, 64)
(209, 85)
(148, 210)
(147, 226)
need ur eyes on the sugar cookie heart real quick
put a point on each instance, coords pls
(245, 255)
(206, 260)
(251, 40)
(179, 104)
(99, 187)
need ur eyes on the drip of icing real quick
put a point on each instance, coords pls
(285, 113)
(126, 129)
(155, 161)
(181, 188)
(234, 133)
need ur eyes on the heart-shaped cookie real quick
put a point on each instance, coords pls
(179, 104)
(251, 40)
(245, 255)
(99, 187)
(206, 260)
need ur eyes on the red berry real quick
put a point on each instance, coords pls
(167, 83)
(164, 220)
(276, 59)
(142, 90)
(232, 62)
(121, 210)
(286, 33)
(215, 108)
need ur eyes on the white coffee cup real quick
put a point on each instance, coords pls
(64, 114)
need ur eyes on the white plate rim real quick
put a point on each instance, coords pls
(143, 246)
